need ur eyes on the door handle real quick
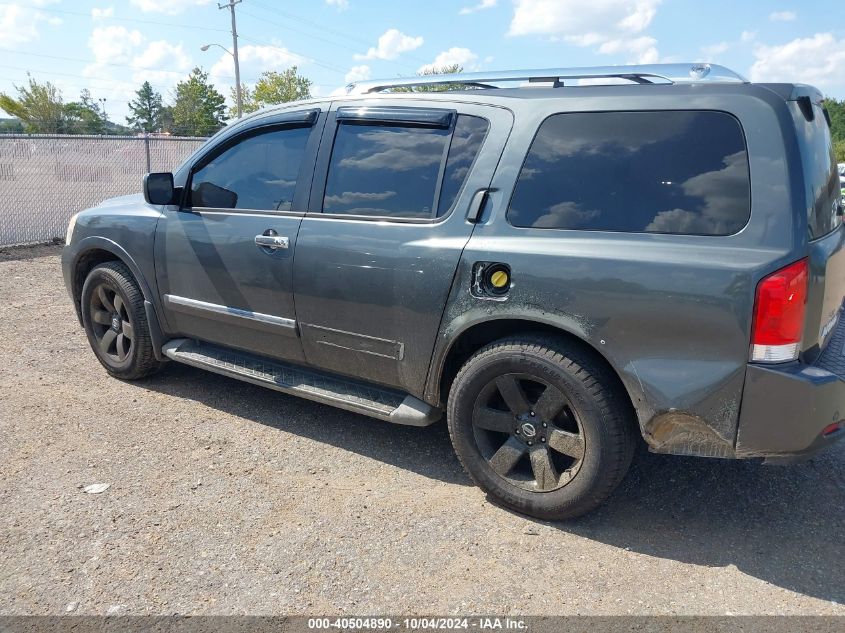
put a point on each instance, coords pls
(476, 207)
(272, 241)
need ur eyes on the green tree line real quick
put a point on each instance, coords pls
(196, 107)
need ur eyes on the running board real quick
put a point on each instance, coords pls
(344, 393)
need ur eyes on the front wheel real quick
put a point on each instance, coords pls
(115, 322)
(541, 426)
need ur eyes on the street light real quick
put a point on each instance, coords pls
(239, 105)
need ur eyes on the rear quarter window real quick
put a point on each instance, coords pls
(682, 172)
(818, 162)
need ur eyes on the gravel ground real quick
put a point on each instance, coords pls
(226, 498)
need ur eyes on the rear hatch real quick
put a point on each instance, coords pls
(824, 218)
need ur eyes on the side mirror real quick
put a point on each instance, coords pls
(158, 188)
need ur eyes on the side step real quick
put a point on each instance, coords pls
(374, 401)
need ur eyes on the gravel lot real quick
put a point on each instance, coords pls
(226, 499)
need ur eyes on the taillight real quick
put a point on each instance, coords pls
(779, 314)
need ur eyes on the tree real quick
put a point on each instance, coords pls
(451, 69)
(11, 126)
(198, 109)
(146, 110)
(38, 106)
(272, 88)
(84, 116)
(836, 110)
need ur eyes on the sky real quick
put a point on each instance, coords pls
(111, 47)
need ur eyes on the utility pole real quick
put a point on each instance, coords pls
(231, 7)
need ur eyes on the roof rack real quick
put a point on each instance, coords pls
(641, 74)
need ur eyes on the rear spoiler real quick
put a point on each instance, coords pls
(806, 97)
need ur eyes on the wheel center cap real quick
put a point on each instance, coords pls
(115, 323)
(528, 430)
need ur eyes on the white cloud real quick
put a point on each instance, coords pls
(357, 73)
(19, 25)
(608, 24)
(114, 44)
(573, 18)
(748, 36)
(117, 83)
(817, 60)
(98, 13)
(170, 7)
(391, 44)
(455, 55)
(162, 62)
(643, 50)
(342, 5)
(782, 16)
(484, 4)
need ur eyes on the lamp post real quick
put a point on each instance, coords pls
(238, 104)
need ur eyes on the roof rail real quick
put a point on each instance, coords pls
(641, 74)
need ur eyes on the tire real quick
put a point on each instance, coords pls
(541, 426)
(115, 322)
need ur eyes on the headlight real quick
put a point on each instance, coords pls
(70, 227)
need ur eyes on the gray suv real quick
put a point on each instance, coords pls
(560, 269)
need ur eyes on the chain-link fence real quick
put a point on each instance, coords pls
(45, 179)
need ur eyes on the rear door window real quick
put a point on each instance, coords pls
(819, 165)
(682, 172)
(401, 171)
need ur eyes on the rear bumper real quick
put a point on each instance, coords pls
(787, 408)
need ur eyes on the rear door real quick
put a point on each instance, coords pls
(225, 257)
(385, 229)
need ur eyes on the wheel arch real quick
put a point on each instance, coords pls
(468, 340)
(93, 251)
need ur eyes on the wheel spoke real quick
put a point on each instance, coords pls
(550, 403)
(507, 456)
(513, 395)
(127, 329)
(571, 444)
(101, 316)
(544, 470)
(118, 303)
(121, 346)
(493, 420)
(104, 299)
(107, 340)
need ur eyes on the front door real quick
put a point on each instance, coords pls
(225, 257)
(386, 226)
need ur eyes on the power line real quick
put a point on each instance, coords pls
(112, 17)
(324, 28)
(314, 37)
(111, 82)
(305, 58)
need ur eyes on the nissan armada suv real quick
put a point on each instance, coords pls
(559, 262)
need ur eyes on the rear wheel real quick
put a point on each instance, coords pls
(116, 323)
(541, 426)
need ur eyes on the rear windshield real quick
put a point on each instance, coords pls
(683, 172)
(820, 171)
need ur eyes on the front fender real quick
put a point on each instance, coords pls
(72, 255)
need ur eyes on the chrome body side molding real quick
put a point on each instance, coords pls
(227, 314)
